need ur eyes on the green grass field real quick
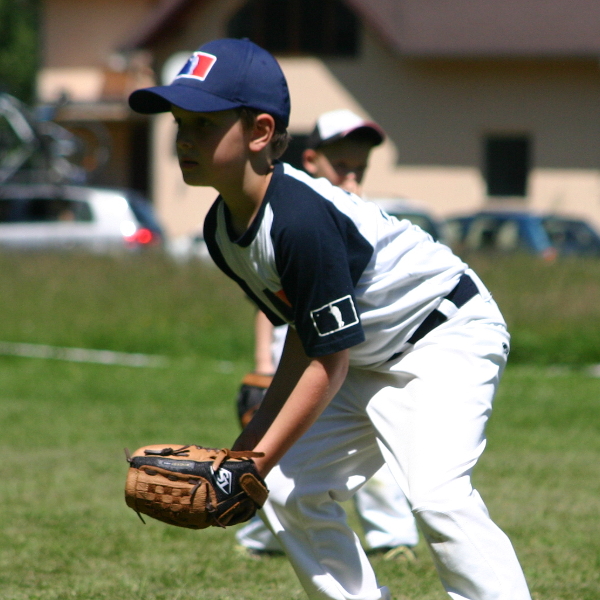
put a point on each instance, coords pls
(65, 530)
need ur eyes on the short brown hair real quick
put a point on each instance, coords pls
(281, 137)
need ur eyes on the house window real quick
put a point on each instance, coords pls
(321, 27)
(507, 163)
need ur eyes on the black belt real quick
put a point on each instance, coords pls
(464, 290)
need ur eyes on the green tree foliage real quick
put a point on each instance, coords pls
(19, 47)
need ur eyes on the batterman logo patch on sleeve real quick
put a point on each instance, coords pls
(335, 316)
(198, 66)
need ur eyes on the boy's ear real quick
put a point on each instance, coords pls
(309, 157)
(262, 132)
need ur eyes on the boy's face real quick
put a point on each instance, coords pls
(343, 163)
(211, 147)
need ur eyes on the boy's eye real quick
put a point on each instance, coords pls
(197, 122)
(202, 122)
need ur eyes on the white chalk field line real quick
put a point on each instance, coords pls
(104, 357)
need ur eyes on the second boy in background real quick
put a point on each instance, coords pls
(337, 149)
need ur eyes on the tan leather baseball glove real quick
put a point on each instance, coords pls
(194, 487)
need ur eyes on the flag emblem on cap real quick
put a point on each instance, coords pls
(198, 66)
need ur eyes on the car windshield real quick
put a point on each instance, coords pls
(498, 233)
(43, 210)
(493, 233)
(572, 236)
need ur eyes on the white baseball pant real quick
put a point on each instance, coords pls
(382, 509)
(426, 413)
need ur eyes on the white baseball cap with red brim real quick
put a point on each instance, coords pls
(338, 124)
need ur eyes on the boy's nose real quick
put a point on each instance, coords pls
(182, 142)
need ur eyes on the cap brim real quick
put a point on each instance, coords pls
(159, 99)
(369, 131)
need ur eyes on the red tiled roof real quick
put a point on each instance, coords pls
(150, 29)
(478, 28)
(447, 28)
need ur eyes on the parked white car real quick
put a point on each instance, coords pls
(40, 216)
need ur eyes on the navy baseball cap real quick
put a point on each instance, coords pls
(221, 75)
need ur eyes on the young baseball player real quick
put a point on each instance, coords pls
(394, 351)
(338, 149)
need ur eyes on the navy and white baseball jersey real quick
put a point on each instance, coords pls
(343, 273)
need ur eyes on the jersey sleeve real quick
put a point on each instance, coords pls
(320, 256)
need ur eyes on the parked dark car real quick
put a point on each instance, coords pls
(572, 236)
(69, 216)
(520, 231)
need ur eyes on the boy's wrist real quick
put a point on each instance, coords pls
(262, 466)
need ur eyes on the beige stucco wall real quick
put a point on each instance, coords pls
(436, 113)
(78, 34)
(203, 22)
(313, 89)
(79, 47)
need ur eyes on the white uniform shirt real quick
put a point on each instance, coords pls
(335, 267)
